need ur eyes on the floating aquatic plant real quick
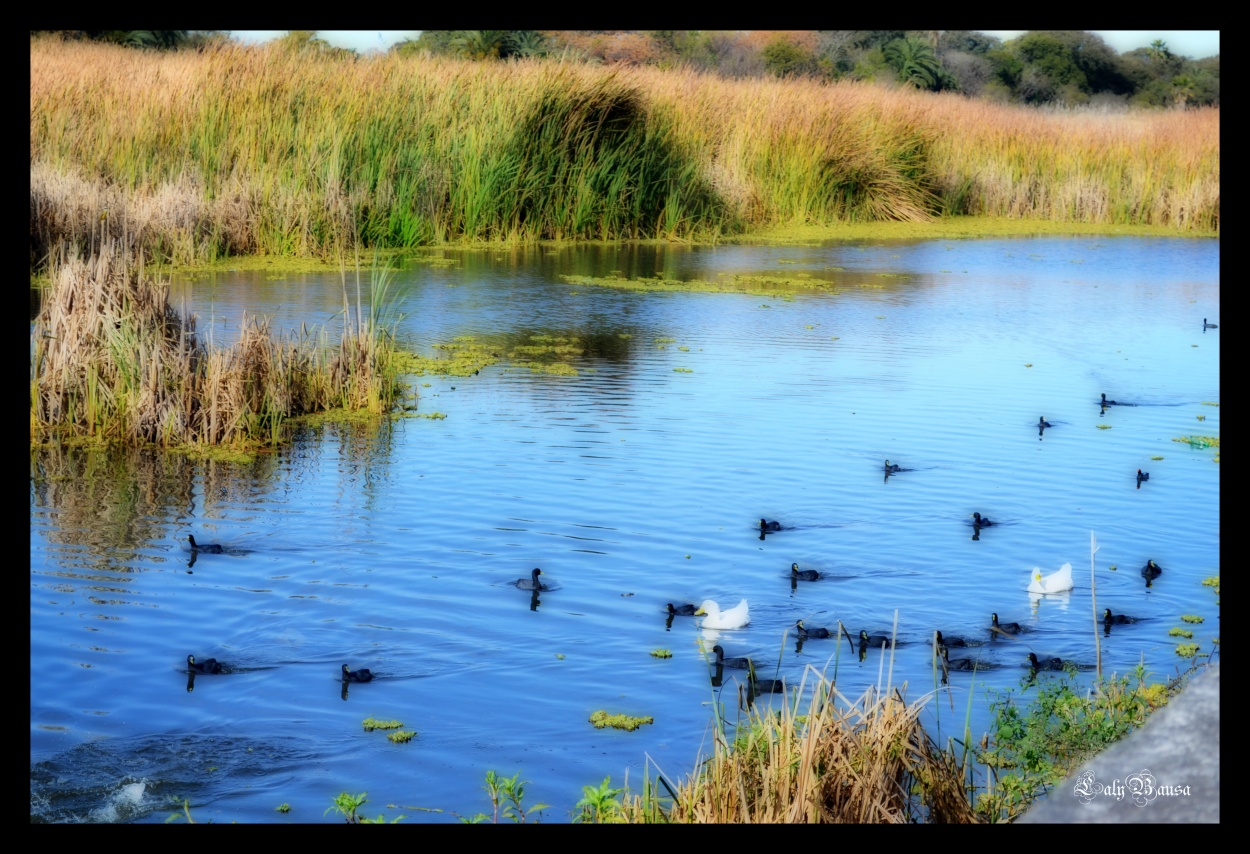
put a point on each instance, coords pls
(401, 736)
(602, 719)
(1104, 426)
(1180, 633)
(661, 653)
(1187, 650)
(684, 370)
(1192, 618)
(371, 724)
(1156, 458)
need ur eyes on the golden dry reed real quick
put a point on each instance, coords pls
(112, 361)
(864, 762)
(263, 150)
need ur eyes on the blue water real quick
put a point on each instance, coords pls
(396, 546)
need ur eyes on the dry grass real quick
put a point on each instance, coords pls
(112, 361)
(863, 762)
(261, 150)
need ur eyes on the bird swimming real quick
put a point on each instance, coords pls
(735, 618)
(956, 663)
(890, 469)
(721, 661)
(1045, 663)
(1042, 423)
(767, 686)
(866, 640)
(361, 675)
(1009, 628)
(813, 632)
(1056, 582)
(1151, 570)
(803, 574)
(1111, 619)
(532, 583)
(945, 642)
(1142, 475)
(981, 521)
(682, 610)
(208, 665)
(207, 548)
(1206, 325)
(769, 526)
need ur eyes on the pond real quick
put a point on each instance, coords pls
(638, 481)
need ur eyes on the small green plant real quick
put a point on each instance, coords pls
(684, 370)
(1187, 650)
(1192, 618)
(371, 724)
(599, 805)
(505, 793)
(185, 812)
(1037, 744)
(1156, 458)
(1104, 426)
(661, 653)
(401, 736)
(602, 719)
(1202, 418)
(1180, 633)
(348, 805)
(282, 808)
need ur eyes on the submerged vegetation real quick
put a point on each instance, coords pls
(183, 154)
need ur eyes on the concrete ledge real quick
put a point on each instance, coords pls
(1167, 771)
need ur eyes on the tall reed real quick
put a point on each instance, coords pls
(261, 150)
(112, 361)
(868, 761)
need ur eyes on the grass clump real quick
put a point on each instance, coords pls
(661, 653)
(370, 724)
(113, 362)
(602, 719)
(1180, 633)
(401, 736)
(840, 762)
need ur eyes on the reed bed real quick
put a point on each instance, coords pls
(112, 361)
(262, 150)
(868, 761)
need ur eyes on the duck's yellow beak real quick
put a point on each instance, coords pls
(700, 613)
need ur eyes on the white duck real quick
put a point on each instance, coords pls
(735, 618)
(1056, 582)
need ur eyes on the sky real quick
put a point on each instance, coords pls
(1196, 44)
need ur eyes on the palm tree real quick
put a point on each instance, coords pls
(915, 62)
(480, 44)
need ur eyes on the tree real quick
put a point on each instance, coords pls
(784, 58)
(915, 62)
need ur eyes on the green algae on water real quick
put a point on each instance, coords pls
(602, 719)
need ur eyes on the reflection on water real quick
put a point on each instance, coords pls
(636, 481)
